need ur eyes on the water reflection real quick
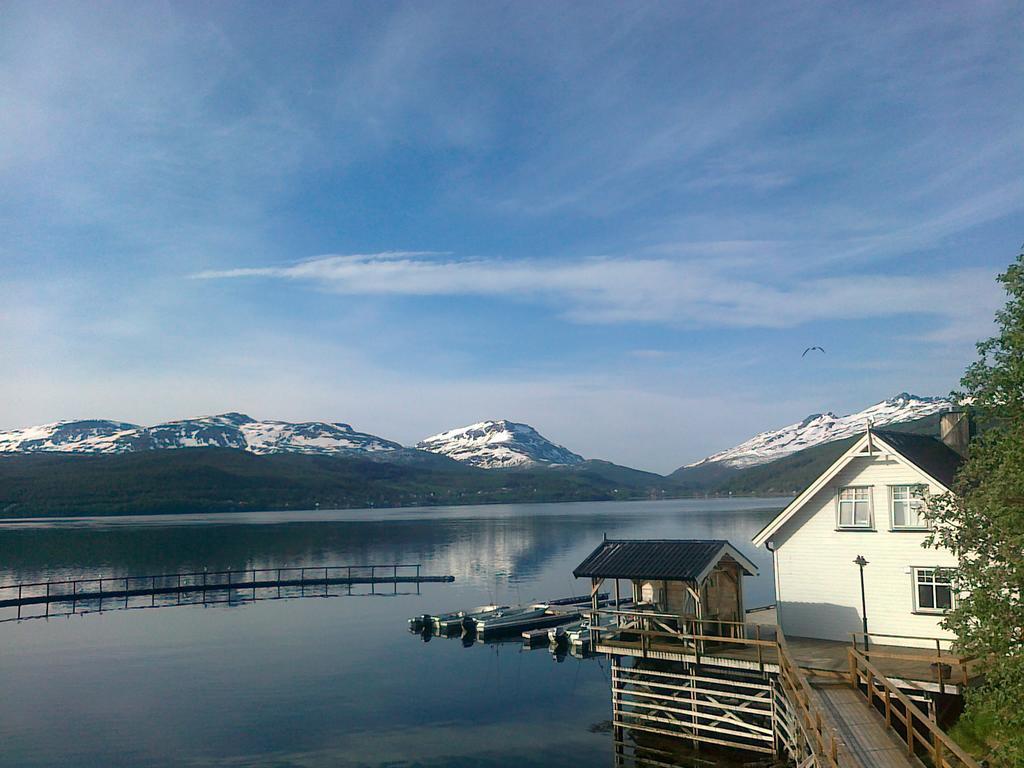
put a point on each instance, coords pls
(321, 682)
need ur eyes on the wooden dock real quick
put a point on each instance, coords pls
(824, 704)
(754, 647)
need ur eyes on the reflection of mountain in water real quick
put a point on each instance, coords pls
(508, 544)
(469, 549)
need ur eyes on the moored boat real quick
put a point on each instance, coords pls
(449, 622)
(561, 633)
(518, 620)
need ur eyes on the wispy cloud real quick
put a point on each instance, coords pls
(688, 293)
(609, 179)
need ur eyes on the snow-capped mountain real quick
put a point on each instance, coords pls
(824, 428)
(228, 430)
(498, 444)
(89, 436)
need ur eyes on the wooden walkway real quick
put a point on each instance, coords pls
(869, 743)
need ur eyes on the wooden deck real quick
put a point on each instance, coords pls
(909, 668)
(868, 742)
(832, 693)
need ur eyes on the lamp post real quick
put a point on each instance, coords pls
(861, 562)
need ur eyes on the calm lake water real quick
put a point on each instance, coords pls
(323, 682)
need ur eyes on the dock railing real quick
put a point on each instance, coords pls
(921, 734)
(649, 631)
(820, 739)
(949, 667)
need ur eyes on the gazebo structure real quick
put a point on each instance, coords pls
(691, 580)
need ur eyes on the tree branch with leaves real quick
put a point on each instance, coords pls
(982, 522)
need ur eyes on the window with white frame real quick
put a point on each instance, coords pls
(855, 507)
(907, 506)
(933, 590)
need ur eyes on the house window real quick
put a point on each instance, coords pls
(907, 507)
(933, 590)
(855, 507)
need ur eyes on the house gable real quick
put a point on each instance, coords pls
(869, 445)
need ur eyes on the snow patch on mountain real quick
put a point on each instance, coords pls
(227, 430)
(498, 444)
(824, 428)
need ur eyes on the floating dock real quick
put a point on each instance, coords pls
(123, 588)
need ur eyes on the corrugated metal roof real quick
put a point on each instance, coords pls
(672, 559)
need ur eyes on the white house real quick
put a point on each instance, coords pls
(868, 503)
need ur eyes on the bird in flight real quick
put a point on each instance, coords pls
(809, 349)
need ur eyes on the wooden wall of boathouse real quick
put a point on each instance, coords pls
(721, 594)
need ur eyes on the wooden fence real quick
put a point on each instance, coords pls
(655, 633)
(922, 735)
(959, 666)
(825, 748)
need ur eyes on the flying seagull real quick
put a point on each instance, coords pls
(809, 349)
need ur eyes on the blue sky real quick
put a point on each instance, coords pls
(621, 223)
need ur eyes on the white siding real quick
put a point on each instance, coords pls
(819, 584)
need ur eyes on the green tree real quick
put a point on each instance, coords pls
(983, 523)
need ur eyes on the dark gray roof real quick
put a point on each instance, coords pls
(932, 455)
(672, 559)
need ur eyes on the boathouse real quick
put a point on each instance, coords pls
(687, 667)
(681, 579)
(867, 515)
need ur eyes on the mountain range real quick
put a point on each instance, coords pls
(821, 428)
(227, 430)
(237, 462)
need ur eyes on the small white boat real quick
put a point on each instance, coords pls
(449, 622)
(580, 635)
(568, 633)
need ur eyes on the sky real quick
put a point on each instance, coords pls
(621, 223)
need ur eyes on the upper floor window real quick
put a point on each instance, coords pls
(933, 590)
(907, 506)
(855, 507)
